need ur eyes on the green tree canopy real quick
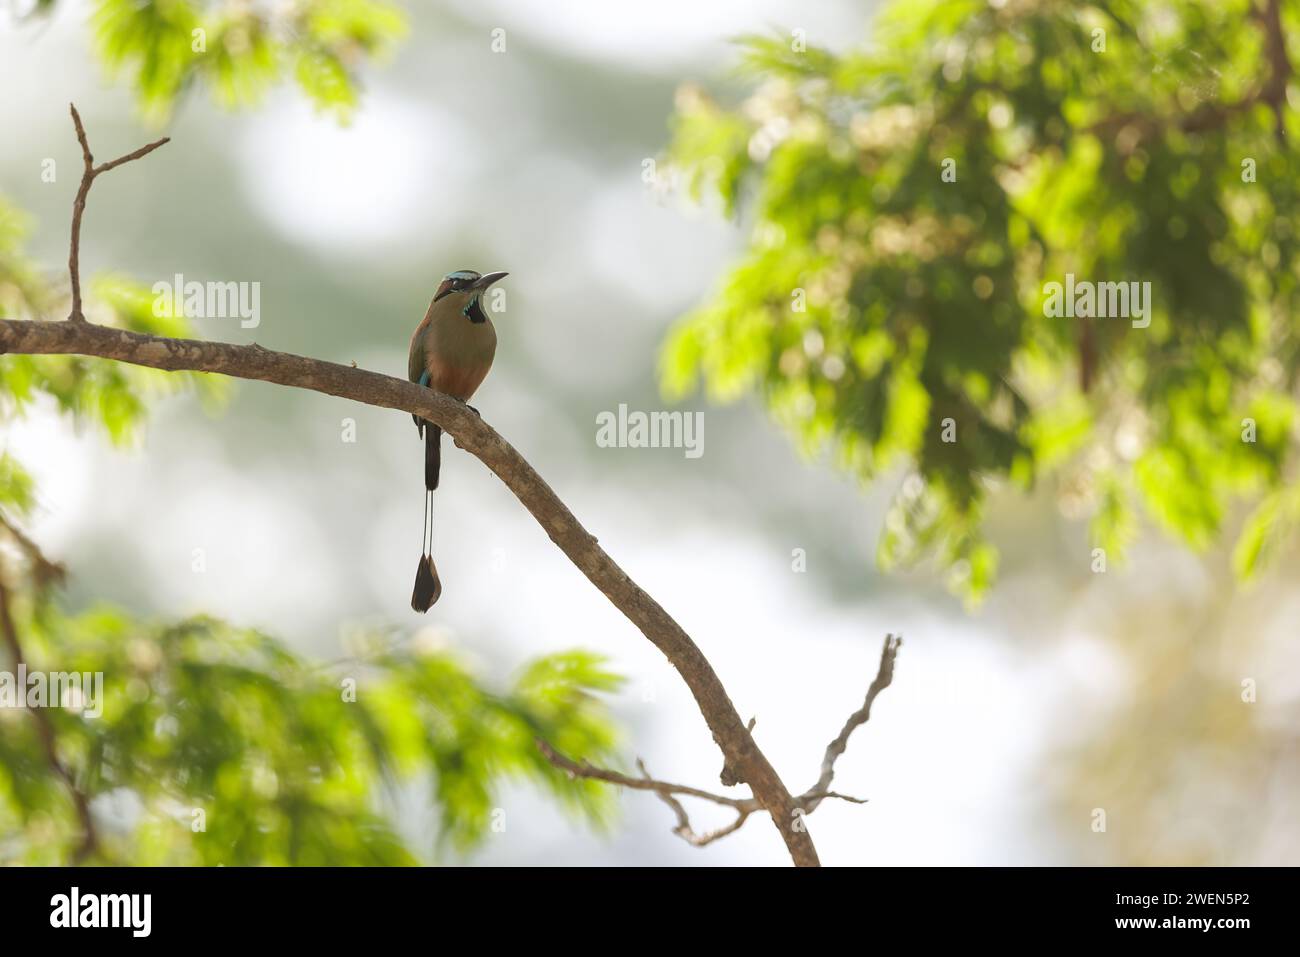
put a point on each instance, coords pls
(910, 201)
(239, 50)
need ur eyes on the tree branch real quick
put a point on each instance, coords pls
(683, 827)
(88, 174)
(884, 676)
(667, 792)
(581, 769)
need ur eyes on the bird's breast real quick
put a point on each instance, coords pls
(458, 354)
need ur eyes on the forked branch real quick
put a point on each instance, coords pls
(669, 793)
(88, 174)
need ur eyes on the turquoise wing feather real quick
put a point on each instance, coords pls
(416, 369)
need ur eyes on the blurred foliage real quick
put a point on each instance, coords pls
(240, 49)
(1189, 762)
(288, 762)
(876, 300)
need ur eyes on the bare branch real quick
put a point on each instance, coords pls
(884, 675)
(664, 790)
(683, 828)
(582, 769)
(88, 161)
(744, 808)
(88, 174)
(668, 792)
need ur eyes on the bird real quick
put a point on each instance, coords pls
(451, 352)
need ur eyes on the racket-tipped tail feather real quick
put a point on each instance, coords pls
(428, 588)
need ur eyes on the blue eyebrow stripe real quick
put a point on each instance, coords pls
(462, 274)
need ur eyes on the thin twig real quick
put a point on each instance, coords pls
(884, 675)
(664, 790)
(88, 174)
(683, 828)
(582, 769)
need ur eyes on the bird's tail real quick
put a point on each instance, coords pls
(432, 455)
(428, 588)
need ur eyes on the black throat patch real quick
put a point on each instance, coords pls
(475, 311)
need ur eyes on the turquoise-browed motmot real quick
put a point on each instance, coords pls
(451, 352)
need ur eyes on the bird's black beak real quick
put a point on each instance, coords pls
(489, 279)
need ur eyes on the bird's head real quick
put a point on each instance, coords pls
(463, 290)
